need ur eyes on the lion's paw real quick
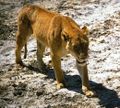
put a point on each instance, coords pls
(20, 63)
(60, 85)
(88, 93)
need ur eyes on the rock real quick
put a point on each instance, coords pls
(1, 43)
(40, 92)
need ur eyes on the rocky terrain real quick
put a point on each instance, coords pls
(29, 88)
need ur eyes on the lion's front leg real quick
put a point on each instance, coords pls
(82, 68)
(56, 61)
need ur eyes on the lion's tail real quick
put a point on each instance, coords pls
(25, 51)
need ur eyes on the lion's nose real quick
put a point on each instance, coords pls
(82, 56)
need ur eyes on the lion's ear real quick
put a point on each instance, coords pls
(85, 30)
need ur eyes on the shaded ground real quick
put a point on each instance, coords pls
(27, 87)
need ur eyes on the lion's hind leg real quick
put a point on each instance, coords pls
(21, 40)
(40, 51)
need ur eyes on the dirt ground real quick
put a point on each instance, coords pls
(29, 88)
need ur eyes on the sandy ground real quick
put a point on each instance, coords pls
(29, 88)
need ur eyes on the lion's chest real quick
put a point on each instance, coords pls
(62, 50)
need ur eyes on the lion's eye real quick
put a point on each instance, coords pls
(77, 48)
(65, 37)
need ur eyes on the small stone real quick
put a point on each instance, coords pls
(1, 43)
(18, 92)
(25, 69)
(40, 92)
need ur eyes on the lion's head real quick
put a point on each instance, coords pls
(77, 43)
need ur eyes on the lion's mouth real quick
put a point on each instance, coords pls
(82, 61)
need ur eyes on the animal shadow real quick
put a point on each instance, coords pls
(107, 98)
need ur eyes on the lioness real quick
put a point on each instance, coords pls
(60, 33)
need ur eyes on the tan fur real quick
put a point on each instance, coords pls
(60, 33)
